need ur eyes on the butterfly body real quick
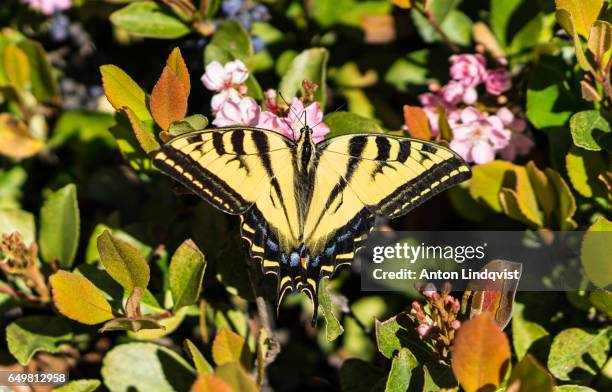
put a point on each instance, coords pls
(306, 208)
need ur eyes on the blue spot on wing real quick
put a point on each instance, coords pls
(294, 260)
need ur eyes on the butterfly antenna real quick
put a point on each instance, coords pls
(294, 113)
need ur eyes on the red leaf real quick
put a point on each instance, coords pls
(177, 65)
(168, 100)
(417, 123)
(480, 354)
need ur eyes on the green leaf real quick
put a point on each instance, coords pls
(456, 25)
(401, 371)
(14, 220)
(529, 375)
(566, 20)
(201, 364)
(16, 67)
(123, 262)
(229, 347)
(134, 324)
(550, 101)
(146, 367)
(146, 138)
(121, 90)
(91, 253)
(573, 388)
(230, 42)
(587, 127)
(566, 204)
(128, 143)
(595, 255)
(29, 335)
(310, 64)
(333, 328)
(578, 354)
(487, 181)
(520, 24)
(60, 227)
(83, 385)
(357, 375)
(84, 127)
(583, 169)
(148, 19)
(525, 333)
(197, 122)
(343, 123)
(346, 12)
(186, 273)
(42, 77)
(584, 13)
(236, 377)
(398, 332)
(602, 300)
(77, 298)
(168, 324)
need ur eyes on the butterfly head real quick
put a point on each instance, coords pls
(305, 150)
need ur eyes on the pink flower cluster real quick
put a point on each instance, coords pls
(478, 135)
(231, 106)
(48, 7)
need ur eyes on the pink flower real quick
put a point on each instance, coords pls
(244, 112)
(470, 96)
(270, 101)
(227, 80)
(221, 77)
(424, 329)
(48, 7)
(452, 93)
(469, 69)
(296, 119)
(479, 136)
(498, 81)
(520, 144)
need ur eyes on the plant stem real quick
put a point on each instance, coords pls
(434, 23)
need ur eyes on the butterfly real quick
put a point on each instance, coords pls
(306, 208)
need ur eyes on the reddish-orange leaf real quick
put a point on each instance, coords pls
(168, 100)
(417, 123)
(177, 65)
(480, 354)
(208, 383)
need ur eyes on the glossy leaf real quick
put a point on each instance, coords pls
(480, 353)
(16, 139)
(168, 99)
(525, 333)
(578, 354)
(123, 262)
(185, 274)
(487, 181)
(584, 13)
(566, 204)
(148, 19)
(229, 347)
(201, 364)
(401, 371)
(82, 385)
(15, 220)
(121, 90)
(177, 65)
(583, 168)
(146, 367)
(146, 138)
(595, 255)
(587, 127)
(16, 67)
(602, 300)
(417, 122)
(528, 375)
(60, 226)
(311, 64)
(333, 328)
(236, 377)
(31, 334)
(77, 298)
(135, 324)
(600, 42)
(343, 123)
